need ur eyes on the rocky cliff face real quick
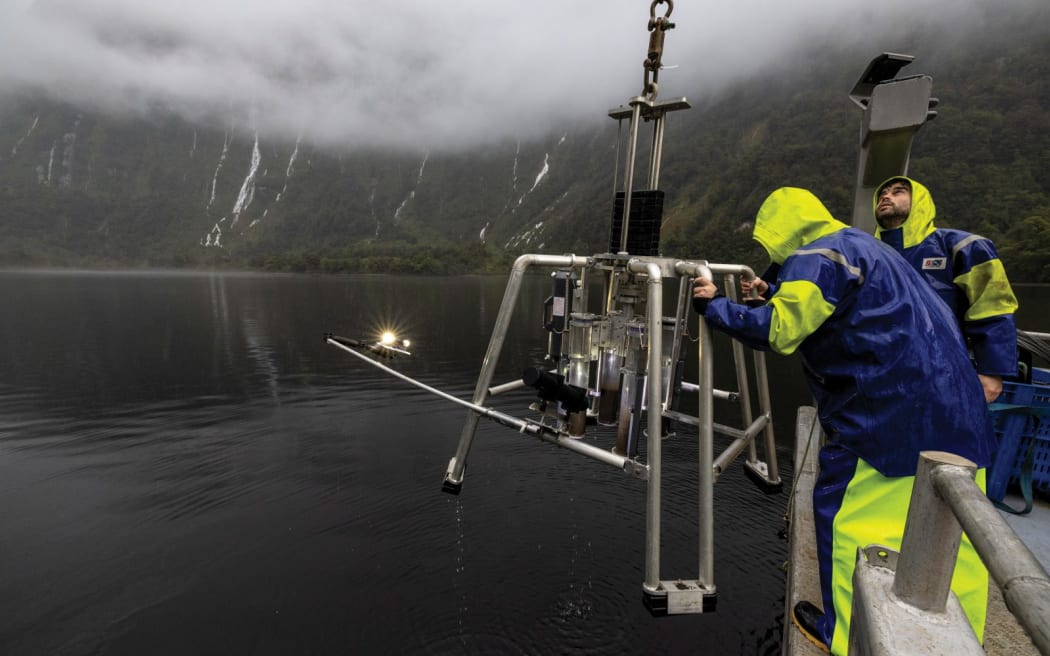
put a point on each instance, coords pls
(82, 187)
(133, 189)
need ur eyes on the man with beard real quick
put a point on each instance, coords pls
(965, 271)
(890, 373)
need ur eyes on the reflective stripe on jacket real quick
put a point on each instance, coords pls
(890, 379)
(966, 272)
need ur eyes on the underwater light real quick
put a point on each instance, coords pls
(386, 346)
(389, 339)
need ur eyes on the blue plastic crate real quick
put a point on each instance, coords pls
(1040, 376)
(1016, 433)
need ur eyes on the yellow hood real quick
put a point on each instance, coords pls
(919, 223)
(789, 219)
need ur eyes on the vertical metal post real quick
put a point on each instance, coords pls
(628, 179)
(705, 437)
(654, 398)
(931, 539)
(705, 415)
(705, 450)
(684, 289)
(657, 153)
(766, 407)
(740, 365)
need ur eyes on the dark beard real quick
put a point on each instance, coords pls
(891, 221)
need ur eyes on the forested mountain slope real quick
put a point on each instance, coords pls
(78, 188)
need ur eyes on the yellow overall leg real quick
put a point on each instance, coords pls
(874, 510)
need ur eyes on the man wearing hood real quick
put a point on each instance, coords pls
(891, 377)
(964, 269)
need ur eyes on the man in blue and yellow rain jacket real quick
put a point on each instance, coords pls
(963, 268)
(891, 377)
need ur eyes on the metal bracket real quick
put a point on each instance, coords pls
(636, 469)
(680, 597)
(877, 555)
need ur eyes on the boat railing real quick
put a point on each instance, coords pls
(902, 600)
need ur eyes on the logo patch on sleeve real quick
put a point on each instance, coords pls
(934, 263)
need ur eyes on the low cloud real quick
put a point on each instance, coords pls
(408, 74)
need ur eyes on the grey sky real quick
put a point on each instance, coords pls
(410, 73)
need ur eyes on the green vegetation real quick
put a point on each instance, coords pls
(84, 190)
(392, 257)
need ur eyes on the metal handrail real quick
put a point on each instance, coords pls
(1013, 566)
(945, 502)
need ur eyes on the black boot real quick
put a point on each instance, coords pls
(806, 616)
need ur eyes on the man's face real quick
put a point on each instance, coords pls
(894, 205)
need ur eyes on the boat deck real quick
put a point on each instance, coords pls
(1003, 635)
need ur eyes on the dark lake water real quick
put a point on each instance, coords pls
(186, 468)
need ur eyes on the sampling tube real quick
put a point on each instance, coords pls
(609, 387)
(632, 392)
(581, 327)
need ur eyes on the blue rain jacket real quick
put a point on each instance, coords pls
(966, 272)
(882, 355)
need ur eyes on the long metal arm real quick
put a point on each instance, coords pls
(523, 426)
(506, 420)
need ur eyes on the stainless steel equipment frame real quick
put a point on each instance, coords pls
(625, 363)
(620, 352)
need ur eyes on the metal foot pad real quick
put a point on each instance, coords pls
(451, 488)
(758, 473)
(679, 598)
(450, 484)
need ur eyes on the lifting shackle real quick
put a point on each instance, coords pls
(652, 63)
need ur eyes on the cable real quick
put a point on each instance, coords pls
(1038, 344)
